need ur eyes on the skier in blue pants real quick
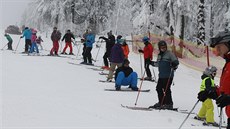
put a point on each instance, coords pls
(125, 76)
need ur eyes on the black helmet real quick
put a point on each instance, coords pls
(221, 37)
(162, 43)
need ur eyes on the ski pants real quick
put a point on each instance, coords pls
(126, 81)
(106, 57)
(68, 44)
(55, 48)
(27, 45)
(10, 45)
(88, 55)
(34, 45)
(206, 111)
(164, 88)
(112, 69)
(147, 63)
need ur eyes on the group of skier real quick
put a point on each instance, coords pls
(116, 60)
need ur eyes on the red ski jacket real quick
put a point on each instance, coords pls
(225, 81)
(148, 51)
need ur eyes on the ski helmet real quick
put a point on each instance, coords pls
(210, 70)
(145, 39)
(162, 43)
(221, 37)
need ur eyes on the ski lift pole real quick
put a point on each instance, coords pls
(17, 44)
(98, 50)
(188, 114)
(139, 90)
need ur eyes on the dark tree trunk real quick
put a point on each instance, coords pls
(201, 24)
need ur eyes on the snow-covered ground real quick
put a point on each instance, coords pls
(41, 92)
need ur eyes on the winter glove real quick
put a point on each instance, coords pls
(223, 100)
(202, 96)
(140, 51)
(212, 93)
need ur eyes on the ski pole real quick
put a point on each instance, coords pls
(98, 50)
(155, 78)
(142, 79)
(221, 113)
(141, 63)
(4, 47)
(188, 114)
(17, 44)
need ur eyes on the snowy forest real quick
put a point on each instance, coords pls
(186, 19)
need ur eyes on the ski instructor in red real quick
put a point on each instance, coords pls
(55, 37)
(221, 42)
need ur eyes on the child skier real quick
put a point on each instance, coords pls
(206, 95)
(34, 44)
(68, 42)
(39, 42)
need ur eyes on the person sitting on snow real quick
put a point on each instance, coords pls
(206, 94)
(125, 76)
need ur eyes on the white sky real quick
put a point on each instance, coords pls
(11, 11)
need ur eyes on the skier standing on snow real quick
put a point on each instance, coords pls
(55, 37)
(125, 48)
(110, 41)
(90, 39)
(68, 42)
(116, 57)
(27, 33)
(221, 42)
(167, 63)
(83, 40)
(148, 55)
(10, 41)
(207, 86)
(126, 76)
(33, 40)
(39, 42)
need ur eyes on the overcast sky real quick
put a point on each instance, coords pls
(11, 11)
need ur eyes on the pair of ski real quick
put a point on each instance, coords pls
(206, 124)
(151, 109)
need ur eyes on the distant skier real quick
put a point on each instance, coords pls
(55, 37)
(90, 39)
(27, 33)
(83, 40)
(110, 41)
(10, 41)
(34, 44)
(148, 56)
(167, 63)
(206, 94)
(126, 76)
(125, 48)
(39, 41)
(116, 57)
(221, 42)
(68, 42)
